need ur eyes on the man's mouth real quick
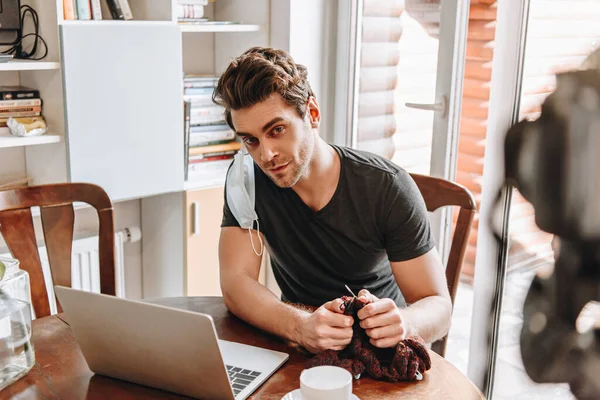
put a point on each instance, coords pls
(279, 168)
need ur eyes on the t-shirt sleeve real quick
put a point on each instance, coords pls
(228, 218)
(407, 233)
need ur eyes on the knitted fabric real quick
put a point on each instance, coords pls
(391, 364)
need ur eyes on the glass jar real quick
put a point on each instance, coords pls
(17, 355)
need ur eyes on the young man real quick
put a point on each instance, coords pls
(330, 216)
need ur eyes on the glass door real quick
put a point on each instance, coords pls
(535, 40)
(399, 85)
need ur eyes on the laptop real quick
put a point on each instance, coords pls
(164, 348)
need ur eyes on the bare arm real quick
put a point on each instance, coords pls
(245, 297)
(423, 283)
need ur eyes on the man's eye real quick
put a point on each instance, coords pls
(250, 141)
(278, 130)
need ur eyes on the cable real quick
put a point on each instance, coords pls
(17, 49)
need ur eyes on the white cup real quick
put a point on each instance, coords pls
(326, 383)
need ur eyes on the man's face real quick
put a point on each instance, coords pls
(280, 142)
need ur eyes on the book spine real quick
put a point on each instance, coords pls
(21, 114)
(19, 94)
(190, 11)
(186, 138)
(10, 110)
(126, 9)
(69, 10)
(96, 9)
(232, 146)
(84, 11)
(193, 2)
(208, 142)
(20, 103)
(115, 9)
(213, 157)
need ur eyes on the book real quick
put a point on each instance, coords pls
(197, 140)
(9, 111)
(115, 9)
(198, 91)
(190, 11)
(84, 10)
(215, 157)
(236, 146)
(21, 114)
(96, 9)
(69, 10)
(199, 99)
(205, 143)
(18, 92)
(20, 103)
(213, 171)
(186, 137)
(193, 2)
(125, 9)
(209, 128)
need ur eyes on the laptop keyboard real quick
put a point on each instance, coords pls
(240, 378)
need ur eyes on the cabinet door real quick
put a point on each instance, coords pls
(124, 112)
(204, 209)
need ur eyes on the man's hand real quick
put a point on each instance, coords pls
(382, 320)
(327, 328)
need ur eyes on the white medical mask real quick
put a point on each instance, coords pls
(241, 194)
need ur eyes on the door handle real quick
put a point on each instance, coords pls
(195, 218)
(442, 107)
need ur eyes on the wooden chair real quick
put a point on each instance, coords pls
(441, 193)
(57, 214)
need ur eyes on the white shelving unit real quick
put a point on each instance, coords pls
(28, 65)
(207, 183)
(17, 154)
(114, 88)
(7, 141)
(180, 231)
(187, 28)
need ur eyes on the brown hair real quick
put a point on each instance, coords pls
(256, 75)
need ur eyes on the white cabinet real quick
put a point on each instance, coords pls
(123, 92)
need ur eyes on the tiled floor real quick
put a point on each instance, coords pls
(511, 381)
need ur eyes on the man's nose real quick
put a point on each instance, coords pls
(267, 153)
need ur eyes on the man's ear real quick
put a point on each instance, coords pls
(314, 112)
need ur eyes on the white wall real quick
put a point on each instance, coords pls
(307, 30)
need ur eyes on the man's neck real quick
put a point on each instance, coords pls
(320, 180)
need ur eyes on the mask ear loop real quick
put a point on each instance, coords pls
(259, 238)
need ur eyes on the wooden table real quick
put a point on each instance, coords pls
(62, 373)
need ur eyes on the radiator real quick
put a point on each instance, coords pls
(85, 263)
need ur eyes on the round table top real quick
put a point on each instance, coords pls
(442, 381)
(61, 371)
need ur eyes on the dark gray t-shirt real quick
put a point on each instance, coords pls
(375, 216)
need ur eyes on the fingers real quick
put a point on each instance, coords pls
(395, 332)
(338, 320)
(339, 344)
(339, 334)
(334, 306)
(333, 338)
(332, 315)
(384, 319)
(377, 307)
(365, 294)
(338, 347)
(386, 342)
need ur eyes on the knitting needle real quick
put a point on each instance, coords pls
(350, 290)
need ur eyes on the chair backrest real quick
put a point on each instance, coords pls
(441, 193)
(57, 214)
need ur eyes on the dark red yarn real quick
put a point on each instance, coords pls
(392, 364)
